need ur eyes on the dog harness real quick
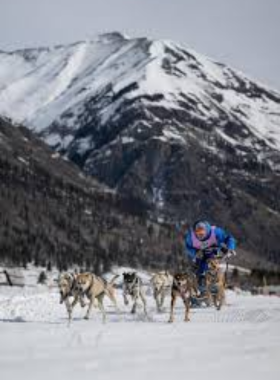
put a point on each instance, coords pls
(203, 244)
(72, 284)
(133, 286)
(183, 290)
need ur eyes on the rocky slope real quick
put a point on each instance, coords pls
(52, 214)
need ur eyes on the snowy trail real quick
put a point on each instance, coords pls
(242, 341)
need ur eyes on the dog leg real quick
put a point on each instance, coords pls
(215, 299)
(173, 301)
(75, 301)
(218, 301)
(187, 309)
(82, 301)
(69, 309)
(61, 299)
(111, 295)
(135, 297)
(156, 297)
(125, 298)
(70, 306)
(101, 308)
(91, 302)
(208, 294)
(221, 298)
(144, 302)
(162, 299)
(134, 307)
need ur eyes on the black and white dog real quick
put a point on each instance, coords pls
(133, 287)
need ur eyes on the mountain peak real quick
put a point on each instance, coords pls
(115, 35)
(182, 133)
(39, 87)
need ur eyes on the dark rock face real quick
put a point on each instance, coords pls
(185, 136)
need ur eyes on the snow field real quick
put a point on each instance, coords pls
(241, 341)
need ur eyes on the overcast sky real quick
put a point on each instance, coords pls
(242, 33)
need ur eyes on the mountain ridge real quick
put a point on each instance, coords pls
(149, 50)
(183, 134)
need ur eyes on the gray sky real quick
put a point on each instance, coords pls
(242, 33)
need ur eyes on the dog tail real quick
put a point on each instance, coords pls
(111, 282)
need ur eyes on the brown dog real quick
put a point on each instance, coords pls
(93, 287)
(215, 283)
(183, 286)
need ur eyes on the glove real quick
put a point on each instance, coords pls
(230, 253)
(199, 254)
(224, 249)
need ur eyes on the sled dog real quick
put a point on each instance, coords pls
(94, 287)
(161, 283)
(133, 287)
(66, 285)
(183, 286)
(215, 283)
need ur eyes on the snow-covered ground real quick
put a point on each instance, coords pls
(242, 341)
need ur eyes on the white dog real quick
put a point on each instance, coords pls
(67, 286)
(94, 288)
(161, 283)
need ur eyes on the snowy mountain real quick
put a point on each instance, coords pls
(184, 134)
(40, 87)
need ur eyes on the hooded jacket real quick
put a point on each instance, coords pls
(215, 239)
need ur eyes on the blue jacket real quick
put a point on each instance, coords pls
(222, 238)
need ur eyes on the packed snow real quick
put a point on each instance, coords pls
(242, 341)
